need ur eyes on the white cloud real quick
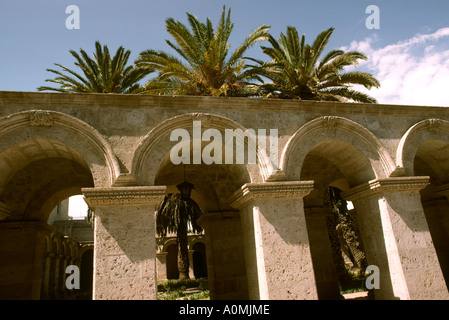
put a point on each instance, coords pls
(414, 71)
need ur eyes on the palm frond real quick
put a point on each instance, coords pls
(102, 74)
(296, 71)
(175, 212)
(204, 67)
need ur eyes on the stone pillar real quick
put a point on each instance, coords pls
(437, 213)
(21, 259)
(277, 250)
(322, 255)
(161, 267)
(125, 241)
(225, 255)
(45, 275)
(191, 274)
(396, 238)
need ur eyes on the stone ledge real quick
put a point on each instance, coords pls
(123, 195)
(396, 184)
(270, 190)
(51, 100)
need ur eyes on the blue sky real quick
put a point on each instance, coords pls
(409, 53)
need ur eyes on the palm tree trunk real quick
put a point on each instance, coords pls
(183, 253)
(339, 262)
(332, 216)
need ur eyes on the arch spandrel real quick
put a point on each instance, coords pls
(335, 135)
(428, 136)
(37, 134)
(155, 146)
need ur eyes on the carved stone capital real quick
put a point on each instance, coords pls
(103, 197)
(270, 190)
(387, 185)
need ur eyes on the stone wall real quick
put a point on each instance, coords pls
(392, 161)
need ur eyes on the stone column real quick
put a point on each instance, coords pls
(225, 255)
(321, 250)
(45, 275)
(396, 238)
(277, 250)
(21, 259)
(437, 213)
(125, 241)
(161, 267)
(191, 273)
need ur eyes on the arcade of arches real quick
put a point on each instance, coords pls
(264, 223)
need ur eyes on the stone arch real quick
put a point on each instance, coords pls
(36, 180)
(57, 130)
(433, 134)
(424, 151)
(64, 249)
(72, 251)
(199, 258)
(214, 185)
(171, 262)
(64, 155)
(326, 132)
(47, 244)
(155, 146)
(81, 250)
(196, 239)
(338, 152)
(167, 243)
(56, 245)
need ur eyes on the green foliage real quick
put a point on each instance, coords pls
(355, 283)
(206, 67)
(175, 212)
(296, 72)
(203, 65)
(342, 231)
(102, 74)
(175, 289)
(174, 216)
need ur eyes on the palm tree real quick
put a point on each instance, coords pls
(297, 73)
(175, 215)
(102, 74)
(342, 229)
(204, 67)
